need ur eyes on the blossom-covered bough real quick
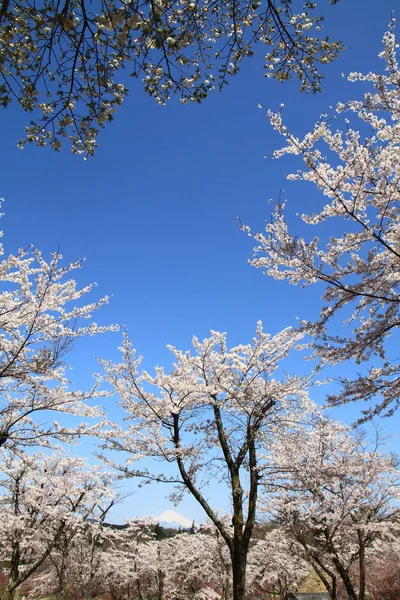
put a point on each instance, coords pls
(63, 61)
(359, 181)
(41, 315)
(209, 419)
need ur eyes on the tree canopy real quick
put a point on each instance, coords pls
(67, 62)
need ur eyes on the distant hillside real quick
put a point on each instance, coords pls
(160, 532)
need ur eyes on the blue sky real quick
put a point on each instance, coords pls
(155, 212)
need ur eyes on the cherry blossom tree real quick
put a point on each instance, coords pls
(338, 497)
(383, 577)
(92, 559)
(120, 566)
(41, 315)
(276, 568)
(210, 418)
(183, 566)
(47, 502)
(63, 61)
(360, 264)
(198, 568)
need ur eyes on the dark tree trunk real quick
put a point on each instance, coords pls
(348, 584)
(11, 591)
(238, 572)
(361, 564)
(160, 591)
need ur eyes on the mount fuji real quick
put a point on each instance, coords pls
(171, 518)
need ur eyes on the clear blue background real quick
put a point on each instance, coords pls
(155, 212)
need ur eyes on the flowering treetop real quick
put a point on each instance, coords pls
(213, 389)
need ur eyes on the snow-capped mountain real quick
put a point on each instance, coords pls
(171, 518)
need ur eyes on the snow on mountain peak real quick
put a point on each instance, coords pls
(171, 517)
